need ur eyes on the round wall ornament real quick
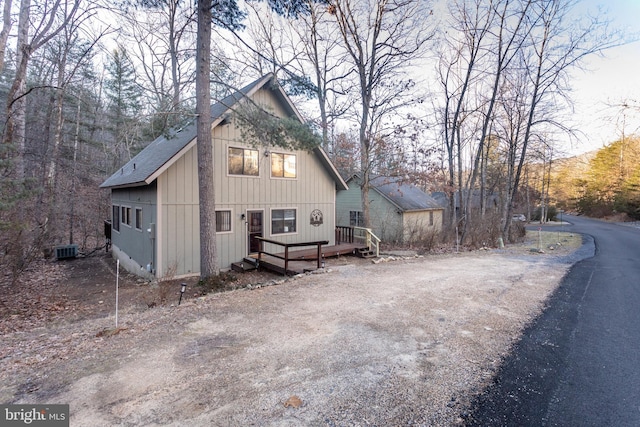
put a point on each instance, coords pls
(316, 218)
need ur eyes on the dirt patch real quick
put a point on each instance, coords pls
(394, 343)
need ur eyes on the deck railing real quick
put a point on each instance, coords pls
(344, 234)
(360, 235)
(286, 246)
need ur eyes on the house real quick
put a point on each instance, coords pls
(261, 191)
(399, 211)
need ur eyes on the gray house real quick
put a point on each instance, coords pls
(283, 195)
(399, 211)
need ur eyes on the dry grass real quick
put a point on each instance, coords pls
(557, 241)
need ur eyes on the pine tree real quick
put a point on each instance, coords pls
(124, 105)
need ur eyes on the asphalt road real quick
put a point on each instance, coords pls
(578, 364)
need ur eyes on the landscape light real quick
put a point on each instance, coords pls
(182, 289)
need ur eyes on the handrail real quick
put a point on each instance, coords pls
(262, 240)
(371, 239)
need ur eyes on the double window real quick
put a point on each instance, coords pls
(283, 221)
(243, 161)
(283, 165)
(356, 219)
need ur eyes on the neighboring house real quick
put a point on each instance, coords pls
(399, 212)
(279, 194)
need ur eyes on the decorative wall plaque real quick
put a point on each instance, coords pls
(316, 218)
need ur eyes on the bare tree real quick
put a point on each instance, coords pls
(52, 19)
(490, 37)
(163, 33)
(556, 44)
(381, 38)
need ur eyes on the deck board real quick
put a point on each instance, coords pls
(304, 260)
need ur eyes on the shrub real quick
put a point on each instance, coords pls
(552, 213)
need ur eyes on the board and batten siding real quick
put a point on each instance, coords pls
(347, 201)
(139, 244)
(385, 221)
(179, 216)
(313, 188)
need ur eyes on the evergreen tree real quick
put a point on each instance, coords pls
(124, 106)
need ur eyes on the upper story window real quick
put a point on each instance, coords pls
(243, 161)
(283, 165)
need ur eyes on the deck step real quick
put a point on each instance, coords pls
(247, 264)
(365, 253)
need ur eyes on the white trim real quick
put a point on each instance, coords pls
(122, 216)
(183, 151)
(230, 220)
(135, 218)
(233, 175)
(271, 153)
(245, 233)
(159, 230)
(112, 218)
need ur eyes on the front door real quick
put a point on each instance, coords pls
(254, 225)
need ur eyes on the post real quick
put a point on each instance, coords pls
(319, 254)
(117, 280)
(286, 259)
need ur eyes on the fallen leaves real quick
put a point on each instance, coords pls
(293, 402)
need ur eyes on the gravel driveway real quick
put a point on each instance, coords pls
(405, 342)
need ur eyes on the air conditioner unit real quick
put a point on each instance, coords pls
(66, 251)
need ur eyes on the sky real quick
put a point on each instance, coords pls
(608, 82)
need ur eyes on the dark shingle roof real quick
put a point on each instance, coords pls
(405, 196)
(164, 148)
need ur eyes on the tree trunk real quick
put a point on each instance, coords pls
(6, 28)
(208, 251)
(14, 132)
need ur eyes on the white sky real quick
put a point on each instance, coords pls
(608, 82)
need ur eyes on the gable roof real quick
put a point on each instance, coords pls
(155, 158)
(406, 197)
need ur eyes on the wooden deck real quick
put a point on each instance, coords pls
(327, 252)
(304, 260)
